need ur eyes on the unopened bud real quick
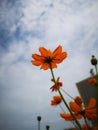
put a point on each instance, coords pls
(93, 60)
(38, 118)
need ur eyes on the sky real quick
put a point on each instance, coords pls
(26, 25)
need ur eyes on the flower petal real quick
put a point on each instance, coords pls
(91, 104)
(92, 81)
(78, 100)
(57, 51)
(67, 117)
(60, 57)
(37, 63)
(53, 65)
(91, 113)
(56, 87)
(78, 116)
(45, 66)
(44, 52)
(56, 100)
(84, 127)
(38, 60)
(38, 57)
(75, 107)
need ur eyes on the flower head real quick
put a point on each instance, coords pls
(56, 85)
(92, 81)
(48, 59)
(89, 111)
(85, 127)
(56, 100)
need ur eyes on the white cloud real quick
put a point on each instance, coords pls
(9, 15)
(26, 88)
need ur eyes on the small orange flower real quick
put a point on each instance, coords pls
(56, 86)
(56, 100)
(88, 112)
(95, 127)
(84, 127)
(48, 59)
(92, 81)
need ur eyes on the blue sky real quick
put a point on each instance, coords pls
(25, 25)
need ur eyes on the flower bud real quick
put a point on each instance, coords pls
(38, 118)
(47, 127)
(93, 60)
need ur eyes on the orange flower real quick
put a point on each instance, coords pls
(95, 127)
(56, 86)
(48, 59)
(84, 127)
(92, 81)
(56, 100)
(88, 112)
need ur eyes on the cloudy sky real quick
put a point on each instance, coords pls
(25, 25)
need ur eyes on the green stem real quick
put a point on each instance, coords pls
(61, 108)
(76, 127)
(72, 121)
(67, 94)
(96, 69)
(87, 124)
(64, 100)
(69, 110)
(38, 125)
(97, 89)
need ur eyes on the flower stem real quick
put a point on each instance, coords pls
(76, 121)
(87, 124)
(61, 108)
(38, 125)
(67, 94)
(97, 89)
